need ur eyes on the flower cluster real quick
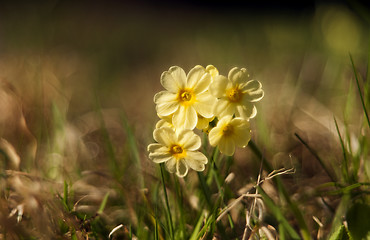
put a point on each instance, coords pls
(220, 106)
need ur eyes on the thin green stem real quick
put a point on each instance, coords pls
(169, 216)
(345, 161)
(359, 90)
(332, 177)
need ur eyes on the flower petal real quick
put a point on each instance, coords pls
(253, 96)
(223, 107)
(204, 104)
(218, 86)
(185, 117)
(212, 70)
(252, 85)
(165, 136)
(238, 75)
(171, 165)
(173, 79)
(246, 111)
(166, 103)
(195, 75)
(196, 156)
(189, 140)
(159, 153)
(196, 160)
(227, 146)
(181, 168)
(215, 136)
(242, 133)
(164, 123)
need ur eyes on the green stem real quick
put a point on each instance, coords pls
(332, 177)
(359, 90)
(169, 216)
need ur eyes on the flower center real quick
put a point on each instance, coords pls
(227, 130)
(234, 94)
(177, 151)
(186, 96)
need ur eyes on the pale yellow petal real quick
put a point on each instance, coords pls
(254, 96)
(165, 136)
(252, 85)
(219, 85)
(164, 123)
(215, 136)
(212, 70)
(181, 168)
(166, 103)
(227, 146)
(195, 75)
(189, 140)
(242, 133)
(238, 75)
(204, 104)
(203, 122)
(185, 117)
(171, 165)
(197, 157)
(203, 84)
(173, 79)
(246, 111)
(159, 153)
(223, 107)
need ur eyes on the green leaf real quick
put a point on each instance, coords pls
(340, 234)
(358, 221)
(103, 203)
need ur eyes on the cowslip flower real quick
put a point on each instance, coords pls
(185, 96)
(236, 94)
(177, 149)
(230, 132)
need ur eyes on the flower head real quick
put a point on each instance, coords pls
(185, 96)
(236, 94)
(230, 132)
(178, 150)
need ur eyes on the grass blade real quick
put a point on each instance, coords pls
(359, 91)
(332, 177)
(345, 160)
(169, 216)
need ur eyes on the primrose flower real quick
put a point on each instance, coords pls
(230, 132)
(236, 94)
(185, 96)
(178, 150)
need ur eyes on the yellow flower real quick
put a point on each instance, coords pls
(236, 94)
(178, 150)
(185, 96)
(230, 132)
